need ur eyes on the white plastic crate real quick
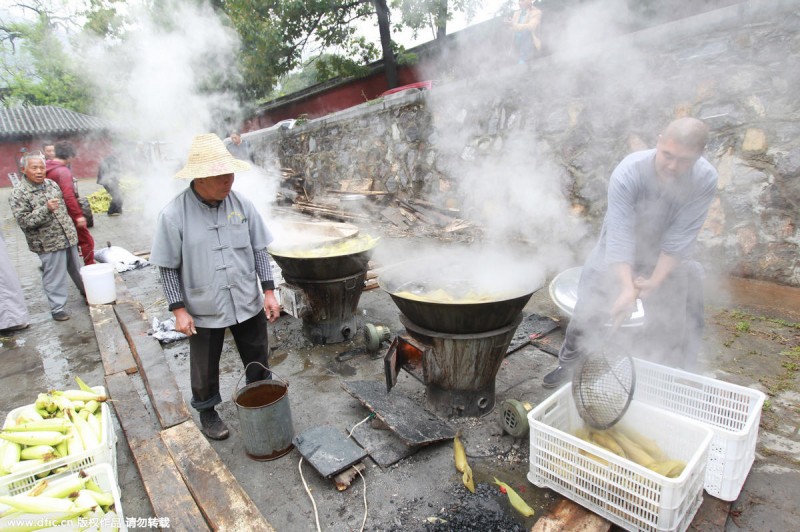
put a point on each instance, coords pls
(621, 491)
(104, 453)
(103, 475)
(733, 413)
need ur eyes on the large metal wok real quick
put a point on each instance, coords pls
(461, 316)
(297, 265)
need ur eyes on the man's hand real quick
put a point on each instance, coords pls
(184, 323)
(52, 204)
(80, 222)
(271, 306)
(645, 286)
(624, 305)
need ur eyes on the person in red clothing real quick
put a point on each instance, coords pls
(59, 171)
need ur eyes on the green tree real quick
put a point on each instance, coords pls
(277, 34)
(40, 64)
(434, 14)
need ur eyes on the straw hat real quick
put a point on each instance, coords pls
(208, 157)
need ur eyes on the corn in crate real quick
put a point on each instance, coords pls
(82, 500)
(63, 431)
(662, 495)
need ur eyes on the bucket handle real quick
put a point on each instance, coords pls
(263, 366)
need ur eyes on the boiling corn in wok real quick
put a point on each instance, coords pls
(441, 295)
(344, 247)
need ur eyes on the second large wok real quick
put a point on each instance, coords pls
(461, 315)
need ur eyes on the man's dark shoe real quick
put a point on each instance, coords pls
(556, 377)
(212, 426)
(60, 316)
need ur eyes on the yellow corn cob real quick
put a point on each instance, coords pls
(459, 454)
(59, 424)
(604, 439)
(516, 501)
(632, 451)
(44, 437)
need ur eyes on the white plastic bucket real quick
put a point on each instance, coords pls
(98, 281)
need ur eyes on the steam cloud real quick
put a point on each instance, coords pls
(154, 89)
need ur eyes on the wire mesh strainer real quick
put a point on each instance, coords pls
(602, 388)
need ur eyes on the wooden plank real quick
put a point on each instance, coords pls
(222, 500)
(165, 396)
(114, 349)
(162, 481)
(123, 295)
(568, 516)
(412, 423)
(391, 214)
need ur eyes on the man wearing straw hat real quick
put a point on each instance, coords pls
(211, 247)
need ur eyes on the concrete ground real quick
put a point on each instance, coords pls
(752, 341)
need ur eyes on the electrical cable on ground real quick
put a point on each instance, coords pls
(364, 521)
(308, 491)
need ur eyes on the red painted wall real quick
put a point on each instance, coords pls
(90, 153)
(334, 99)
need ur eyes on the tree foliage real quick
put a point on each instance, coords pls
(278, 36)
(40, 62)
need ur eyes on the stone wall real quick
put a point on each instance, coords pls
(528, 151)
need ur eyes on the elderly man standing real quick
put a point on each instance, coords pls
(58, 170)
(39, 209)
(657, 202)
(211, 247)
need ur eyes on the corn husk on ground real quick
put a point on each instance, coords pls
(629, 444)
(58, 425)
(75, 502)
(462, 466)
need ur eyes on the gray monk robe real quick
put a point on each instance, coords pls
(643, 220)
(214, 257)
(13, 311)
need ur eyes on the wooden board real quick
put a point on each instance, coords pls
(165, 396)
(222, 500)
(123, 295)
(383, 446)
(328, 449)
(162, 481)
(412, 423)
(114, 349)
(391, 214)
(567, 516)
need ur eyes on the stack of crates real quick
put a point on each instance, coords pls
(732, 412)
(674, 407)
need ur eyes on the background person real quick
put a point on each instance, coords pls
(108, 175)
(657, 202)
(38, 207)
(13, 310)
(211, 247)
(59, 171)
(49, 150)
(523, 23)
(240, 148)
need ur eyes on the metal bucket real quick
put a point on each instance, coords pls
(265, 419)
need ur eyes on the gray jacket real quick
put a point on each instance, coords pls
(44, 230)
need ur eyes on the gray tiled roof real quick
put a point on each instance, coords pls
(46, 120)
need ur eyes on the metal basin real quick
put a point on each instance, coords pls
(460, 316)
(564, 293)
